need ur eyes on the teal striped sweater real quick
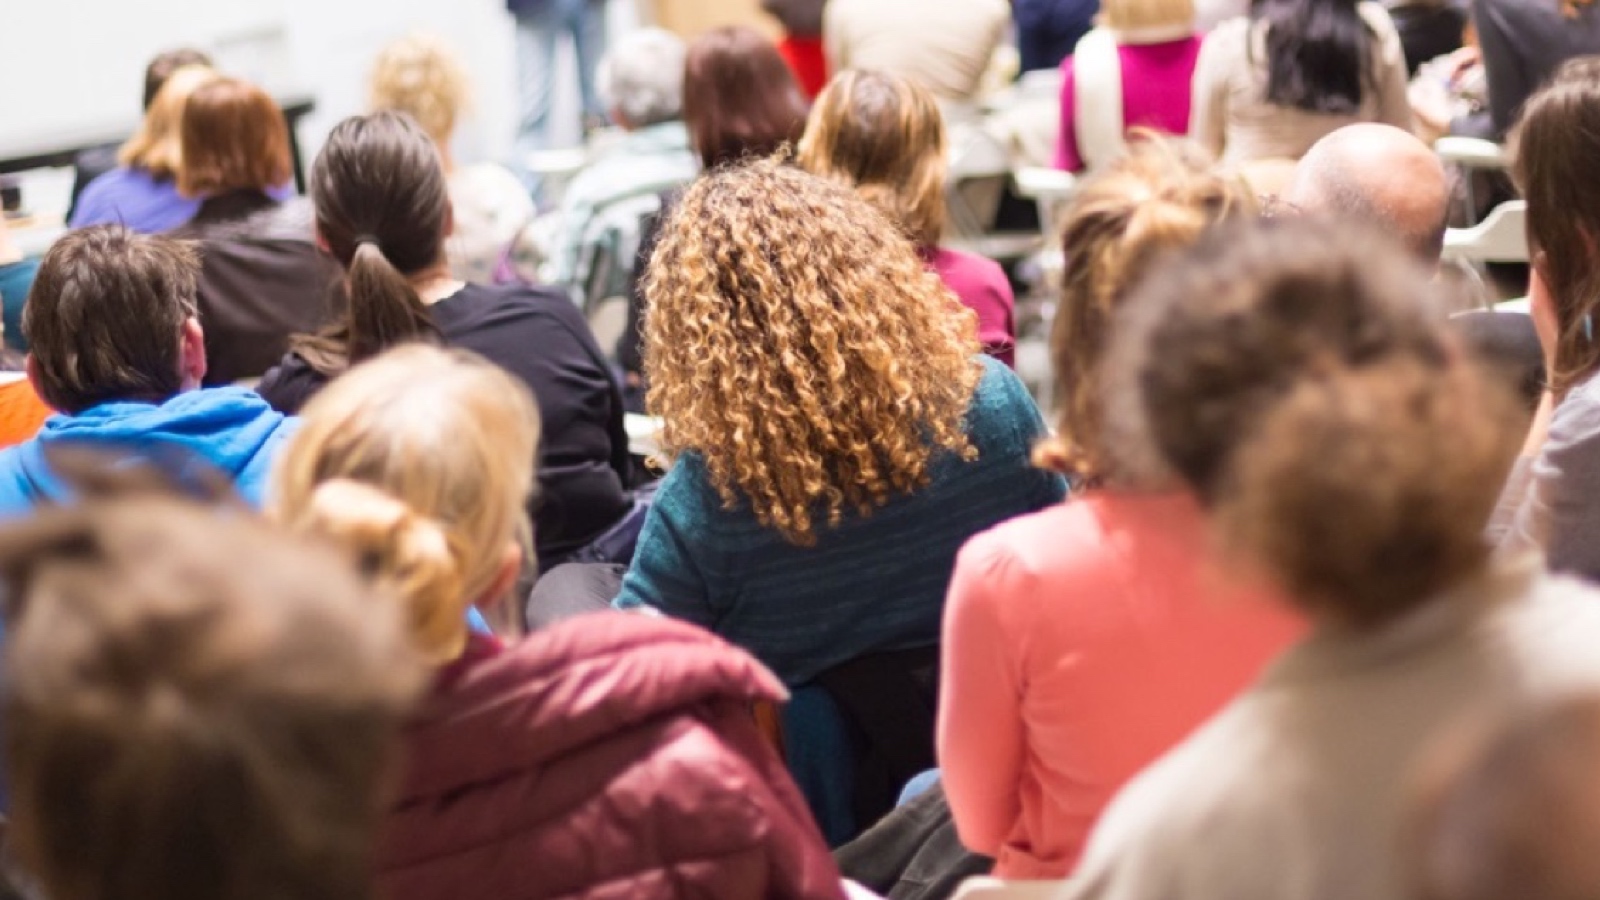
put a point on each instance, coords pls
(873, 583)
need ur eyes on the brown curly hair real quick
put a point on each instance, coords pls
(1160, 197)
(1303, 381)
(796, 342)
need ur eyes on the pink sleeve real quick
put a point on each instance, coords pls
(980, 705)
(1067, 159)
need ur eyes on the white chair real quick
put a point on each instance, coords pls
(1500, 238)
(979, 168)
(985, 888)
(1467, 154)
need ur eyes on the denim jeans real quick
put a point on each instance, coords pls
(539, 32)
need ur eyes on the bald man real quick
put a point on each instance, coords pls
(1380, 175)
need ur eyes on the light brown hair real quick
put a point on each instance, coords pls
(1509, 806)
(740, 98)
(234, 138)
(157, 147)
(168, 63)
(1301, 379)
(1141, 15)
(105, 317)
(196, 706)
(797, 344)
(883, 135)
(1159, 197)
(419, 463)
(1554, 148)
(420, 76)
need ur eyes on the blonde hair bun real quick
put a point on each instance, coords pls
(403, 552)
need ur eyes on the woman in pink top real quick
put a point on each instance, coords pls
(1083, 641)
(885, 136)
(1132, 72)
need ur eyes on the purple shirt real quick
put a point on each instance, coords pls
(982, 287)
(1155, 93)
(133, 197)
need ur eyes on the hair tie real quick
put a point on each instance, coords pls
(368, 239)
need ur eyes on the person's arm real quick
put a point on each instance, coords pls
(1067, 158)
(1392, 82)
(1208, 114)
(1510, 81)
(981, 737)
(664, 575)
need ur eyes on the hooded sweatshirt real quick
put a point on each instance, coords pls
(228, 428)
(610, 755)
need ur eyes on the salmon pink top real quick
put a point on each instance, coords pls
(1080, 643)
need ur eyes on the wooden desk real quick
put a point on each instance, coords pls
(61, 148)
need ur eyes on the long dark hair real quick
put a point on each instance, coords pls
(1317, 54)
(382, 203)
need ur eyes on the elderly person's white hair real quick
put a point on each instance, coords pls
(641, 79)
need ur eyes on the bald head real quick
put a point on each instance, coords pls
(1380, 175)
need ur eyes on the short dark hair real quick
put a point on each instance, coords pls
(197, 706)
(234, 138)
(739, 96)
(162, 67)
(105, 315)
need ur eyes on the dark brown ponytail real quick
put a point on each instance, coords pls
(382, 204)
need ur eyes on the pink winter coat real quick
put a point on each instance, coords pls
(612, 755)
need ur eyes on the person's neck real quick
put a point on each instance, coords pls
(435, 283)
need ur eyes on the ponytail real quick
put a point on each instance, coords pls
(1366, 490)
(384, 310)
(406, 554)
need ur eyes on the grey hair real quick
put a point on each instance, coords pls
(642, 77)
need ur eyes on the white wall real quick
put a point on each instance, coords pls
(71, 64)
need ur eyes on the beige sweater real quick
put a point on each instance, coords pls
(1295, 791)
(1232, 118)
(945, 44)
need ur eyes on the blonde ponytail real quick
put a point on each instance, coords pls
(403, 552)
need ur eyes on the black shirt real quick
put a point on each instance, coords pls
(539, 336)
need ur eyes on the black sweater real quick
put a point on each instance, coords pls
(539, 336)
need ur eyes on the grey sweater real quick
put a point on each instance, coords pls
(1296, 790)
(1551, 502)
(1523, 41)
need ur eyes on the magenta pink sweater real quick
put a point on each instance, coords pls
(1155, 93)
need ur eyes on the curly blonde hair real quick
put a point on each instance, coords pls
(1160, 197)
(419, 75)
(796, 342)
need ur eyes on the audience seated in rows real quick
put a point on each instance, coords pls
(609, 755)
(1134, 71)
(641, 83)
(119, 351)
(1549, 501)
(801, 43)
(740, 101)
(94, 162)
(262, 277)
(1524, 42)
(833, 438)
(142, 191)
(1511, 808)
(196, 705)
(1361, 494)
(884, 136)
(1119, 580)
(946, 46)
(383, 211)
(420, 76)
(1268, 86)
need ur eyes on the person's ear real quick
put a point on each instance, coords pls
(31, 367)
(321, 241)
(192, 354)
(505, 577)
(449, 218)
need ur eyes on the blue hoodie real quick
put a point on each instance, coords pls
(230, 428)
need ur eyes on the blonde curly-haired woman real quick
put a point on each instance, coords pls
(836, 434)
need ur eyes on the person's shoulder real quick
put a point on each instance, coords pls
(1000, 397)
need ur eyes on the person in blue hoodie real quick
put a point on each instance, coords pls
(118, 351)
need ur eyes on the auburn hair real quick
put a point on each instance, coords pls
(740, 98)
(234, 138)
(798, 346)
(885, 136)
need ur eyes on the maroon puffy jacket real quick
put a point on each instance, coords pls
(612, 755)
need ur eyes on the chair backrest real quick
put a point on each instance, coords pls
(986, 888)
(1501, 237)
